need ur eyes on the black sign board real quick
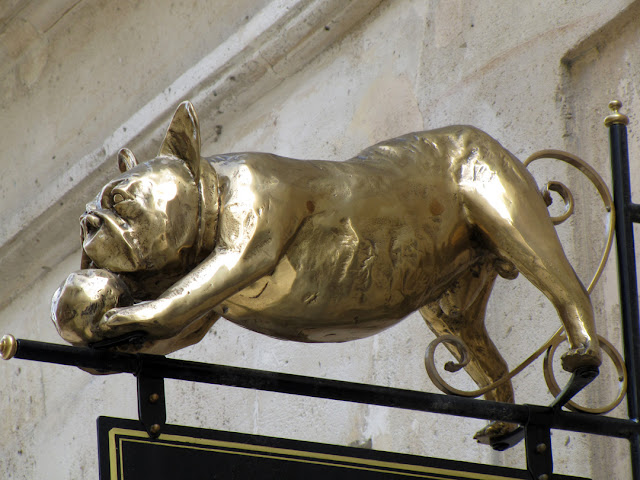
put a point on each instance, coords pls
(127, 453)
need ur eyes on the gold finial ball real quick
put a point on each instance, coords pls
(615, 105)
(8, 347)
(616, 118)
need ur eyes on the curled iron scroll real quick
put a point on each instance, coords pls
(443, 386)
(557, 338)
(567, 197)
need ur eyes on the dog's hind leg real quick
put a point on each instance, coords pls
(504, 204)
(461, 312)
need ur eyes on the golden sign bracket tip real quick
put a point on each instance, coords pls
(8, 347)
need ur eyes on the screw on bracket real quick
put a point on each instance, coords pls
(151, 404)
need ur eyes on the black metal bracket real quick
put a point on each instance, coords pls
(537, 440)
(152, 410)
(580, 378)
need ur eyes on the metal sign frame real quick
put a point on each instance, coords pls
(127, 452)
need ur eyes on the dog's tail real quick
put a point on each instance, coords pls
(567, 198)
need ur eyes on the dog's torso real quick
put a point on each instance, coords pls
(377, 236)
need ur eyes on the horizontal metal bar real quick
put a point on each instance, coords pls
(160, 366)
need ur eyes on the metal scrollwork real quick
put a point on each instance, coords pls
(567, 197)
(444, 387)
(452, 367)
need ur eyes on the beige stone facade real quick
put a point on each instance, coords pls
(310, 79)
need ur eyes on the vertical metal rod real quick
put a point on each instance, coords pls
(617, 124)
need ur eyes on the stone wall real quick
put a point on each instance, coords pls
(308, 79)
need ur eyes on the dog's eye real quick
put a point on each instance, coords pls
(117, 198)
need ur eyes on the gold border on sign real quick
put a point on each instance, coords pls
(284, 454)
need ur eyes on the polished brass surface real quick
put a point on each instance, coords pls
(83, 299)
(319, 251)
(616, 117)
(8, 347)
(603, 191)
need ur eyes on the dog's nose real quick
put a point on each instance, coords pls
(90, 223)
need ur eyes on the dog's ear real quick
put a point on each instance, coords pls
(126, 160)
(183, 138)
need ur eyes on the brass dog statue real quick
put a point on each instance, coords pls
(319, 251)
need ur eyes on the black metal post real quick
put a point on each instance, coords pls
(627, 214)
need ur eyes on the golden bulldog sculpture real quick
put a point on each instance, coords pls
(319, 251)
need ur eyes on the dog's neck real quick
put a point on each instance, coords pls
(209, 203)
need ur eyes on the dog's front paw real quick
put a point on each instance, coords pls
(146, 316)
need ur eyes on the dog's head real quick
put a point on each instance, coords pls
(151, 216)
